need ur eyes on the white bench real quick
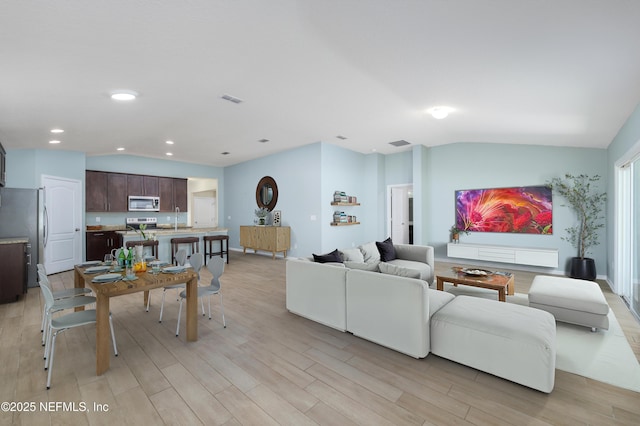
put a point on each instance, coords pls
(570, 300)
(511, 341)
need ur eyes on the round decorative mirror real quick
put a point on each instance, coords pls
(267, 193)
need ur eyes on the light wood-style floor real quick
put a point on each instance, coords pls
(272, 367)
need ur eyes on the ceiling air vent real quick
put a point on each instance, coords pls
(231, 99)
(400, 143)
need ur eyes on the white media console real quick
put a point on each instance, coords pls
(505, 254)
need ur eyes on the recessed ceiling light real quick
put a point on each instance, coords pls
(226, 153)
(169, 142)
(124, 95)
(54, 142)
(169, 154)
(120, 149)
(341, 137)
(440, 112)
(263, 140)
(57, 131)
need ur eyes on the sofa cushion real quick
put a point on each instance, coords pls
(370, 252)
(371, 267)
(386, 249)
(437, 299)
(352, 255)
(423, 268)
(391, 269)
(334, 256)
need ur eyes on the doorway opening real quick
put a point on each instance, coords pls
(400, 213)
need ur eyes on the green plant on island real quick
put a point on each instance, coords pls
(143, 227)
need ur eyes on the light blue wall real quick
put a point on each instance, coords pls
(298, 176)
(342, 170)
(623, 147)
(399, 168)
(26, 166)
(474, 165)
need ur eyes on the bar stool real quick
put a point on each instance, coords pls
(194, 242)
(146, 243)
(208, 241)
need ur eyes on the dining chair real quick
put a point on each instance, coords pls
(216, 267)
(59, 294)
(181, 258)
(65, 322)
(58, 305)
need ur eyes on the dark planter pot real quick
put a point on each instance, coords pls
(583, 269)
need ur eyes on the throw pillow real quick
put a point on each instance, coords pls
(352, 255)
(371, 267)
(388, 268)
(370, 252)
(334, 256)
(386, 249)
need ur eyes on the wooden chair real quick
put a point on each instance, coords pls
(146, 243)
(208, 251)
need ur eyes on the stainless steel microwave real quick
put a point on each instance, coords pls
(144, 204)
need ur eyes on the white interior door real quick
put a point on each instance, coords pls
(63, 222)
(400, 214)
(204, 212)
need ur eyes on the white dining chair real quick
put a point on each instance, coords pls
(216, 267)
(65, 322)
(181, 258)
(58, 305)
(59, 294)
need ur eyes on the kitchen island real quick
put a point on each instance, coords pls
(164, 236)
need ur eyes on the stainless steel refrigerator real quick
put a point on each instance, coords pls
(20, 216)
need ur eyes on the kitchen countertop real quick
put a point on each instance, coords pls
(14, 240)
(172, 231)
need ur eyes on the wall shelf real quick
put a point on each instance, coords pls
(344, 223)
(341, 203)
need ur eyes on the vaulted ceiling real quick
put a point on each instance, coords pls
(546, 72)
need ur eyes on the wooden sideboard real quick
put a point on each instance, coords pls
(267, 238)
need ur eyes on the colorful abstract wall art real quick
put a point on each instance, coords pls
(526, 210)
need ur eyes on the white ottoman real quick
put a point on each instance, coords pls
(514, 342)
(570, 300)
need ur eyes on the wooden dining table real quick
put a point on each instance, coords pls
(145, 281)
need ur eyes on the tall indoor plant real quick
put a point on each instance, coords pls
(588, 204)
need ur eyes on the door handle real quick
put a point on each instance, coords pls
(77, 229)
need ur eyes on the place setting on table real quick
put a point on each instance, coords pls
(110, 271)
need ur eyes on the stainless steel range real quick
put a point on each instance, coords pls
(135, 222)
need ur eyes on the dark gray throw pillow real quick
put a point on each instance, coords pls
(386, 249)
(334, 256)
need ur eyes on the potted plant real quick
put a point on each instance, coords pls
(455, 233)
(262, 214)
(589, 206)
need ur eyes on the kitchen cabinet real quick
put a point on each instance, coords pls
(143, 185)
(105, 192)
(268, 238)
(13, 264)
(109, 192)
(100, 243)
(173, 193)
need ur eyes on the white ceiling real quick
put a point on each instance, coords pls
(547, 72)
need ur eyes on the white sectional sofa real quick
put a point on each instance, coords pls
(398, 312)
